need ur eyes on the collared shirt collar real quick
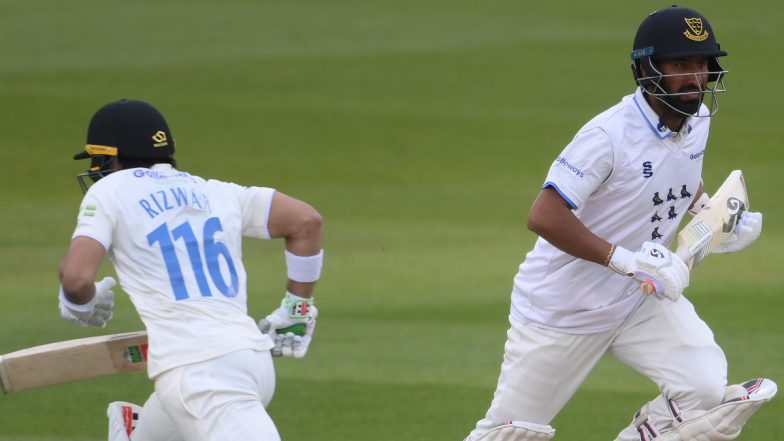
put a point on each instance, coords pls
(652, 118)
(162, 166)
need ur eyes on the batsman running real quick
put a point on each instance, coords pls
(607, 213)
(175, 240)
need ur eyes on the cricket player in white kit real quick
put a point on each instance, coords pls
(609, 208)
(175, 241)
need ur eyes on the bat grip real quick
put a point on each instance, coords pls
(647, 287)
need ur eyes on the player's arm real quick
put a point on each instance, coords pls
(551, 218)
(79, 267)
(292, 325)
(299, 225)
(82, 300)
(551, 215)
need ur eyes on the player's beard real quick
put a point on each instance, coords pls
(689, 107)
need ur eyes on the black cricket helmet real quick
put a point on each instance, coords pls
(670, 33)
(124, 129)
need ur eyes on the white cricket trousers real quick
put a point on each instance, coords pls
(665, 341)
(222, 399)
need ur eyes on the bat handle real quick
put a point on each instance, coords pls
(647, 287)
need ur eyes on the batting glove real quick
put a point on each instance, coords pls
(96, 312)
(291, 326)
(747, 231)
(654, 262)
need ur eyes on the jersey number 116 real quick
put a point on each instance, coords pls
(213, 251)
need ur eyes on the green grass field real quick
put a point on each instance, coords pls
(421, 129)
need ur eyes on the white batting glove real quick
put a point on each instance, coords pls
(747, 231)
(654, 262)
(291, 326)
(96, 312)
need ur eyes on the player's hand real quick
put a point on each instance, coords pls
(654, 262)
(97, 311)
(747, 231)
(291, 326)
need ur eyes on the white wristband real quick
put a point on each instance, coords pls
(304, 268)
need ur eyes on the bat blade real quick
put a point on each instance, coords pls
(717, 220)
(697, 246)
(71, 360)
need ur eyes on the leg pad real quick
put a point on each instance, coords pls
(725, 421)
(123, 418)
(519, 431)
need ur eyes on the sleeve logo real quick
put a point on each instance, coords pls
(563, 162)
(89, 210)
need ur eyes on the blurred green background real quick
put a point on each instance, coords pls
(421, 130)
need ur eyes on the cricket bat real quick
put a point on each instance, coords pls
(708, 228)
(72, 360)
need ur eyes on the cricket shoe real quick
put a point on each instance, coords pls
(123, 418)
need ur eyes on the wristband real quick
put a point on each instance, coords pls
(304, 269)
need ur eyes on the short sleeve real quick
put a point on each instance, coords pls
(95, 218)
(582, 166)
(256, 205)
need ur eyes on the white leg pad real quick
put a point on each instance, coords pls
(519, 431)
(725, 421)
(123, 418)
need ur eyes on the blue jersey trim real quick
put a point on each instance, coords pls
(555, 187)
(650, 123)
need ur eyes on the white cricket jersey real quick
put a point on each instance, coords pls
(629, 179)
(175, 241)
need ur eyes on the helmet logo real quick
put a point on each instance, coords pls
(695, 30)
(160, 139)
